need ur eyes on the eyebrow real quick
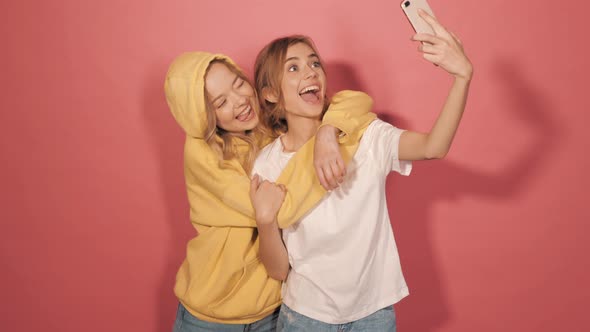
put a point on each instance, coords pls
(312, 55)
(232, 84)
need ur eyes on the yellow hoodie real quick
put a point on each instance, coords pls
(222, 280)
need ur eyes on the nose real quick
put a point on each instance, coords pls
(239, 100)
(310, 72)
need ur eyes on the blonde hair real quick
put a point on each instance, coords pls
(224, 142)
(268, 74)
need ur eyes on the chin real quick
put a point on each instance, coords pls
(317, 111)
(251, 126)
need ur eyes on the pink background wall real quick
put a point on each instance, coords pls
(94, 218)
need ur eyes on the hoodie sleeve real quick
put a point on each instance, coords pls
(349, 111)
(220, 197)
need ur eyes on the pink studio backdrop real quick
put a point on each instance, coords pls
(93, 207)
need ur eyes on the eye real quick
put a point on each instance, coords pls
(292, 68)
(316, 64)
(219, 105)
(239, 83)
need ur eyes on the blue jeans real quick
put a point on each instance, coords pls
(380, 321)
(186, 322)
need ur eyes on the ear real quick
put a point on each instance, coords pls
(269, 95)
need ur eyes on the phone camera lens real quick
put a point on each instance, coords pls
(407, 3)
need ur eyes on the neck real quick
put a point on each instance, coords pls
(301, 129)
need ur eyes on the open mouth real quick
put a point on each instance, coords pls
(311, 94)
(246, 114)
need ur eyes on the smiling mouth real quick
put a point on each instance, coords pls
(310, 94)
(245, 114)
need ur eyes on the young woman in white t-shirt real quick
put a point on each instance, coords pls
(339, 262)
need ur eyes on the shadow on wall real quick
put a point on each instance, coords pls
(342, 76)
(168, 144)
(410, 200)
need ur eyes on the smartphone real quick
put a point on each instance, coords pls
(410, 8)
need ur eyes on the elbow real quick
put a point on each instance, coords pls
(435, 148)
(278, 275)
(436, 154)
(280, 272)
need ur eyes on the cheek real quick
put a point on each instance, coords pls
(289, 85)
(223, 118)
(248, 90)
(289, 90)
(254, 123)
(322, 77)
(288, 100)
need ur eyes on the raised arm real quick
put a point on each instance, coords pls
(445, 50)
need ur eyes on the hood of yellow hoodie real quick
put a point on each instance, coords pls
(185, 90)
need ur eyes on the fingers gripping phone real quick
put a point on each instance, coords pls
(410, 8)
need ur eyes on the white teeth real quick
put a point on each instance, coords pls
(244, 113)
(310, 88)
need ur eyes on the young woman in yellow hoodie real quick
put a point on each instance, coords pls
(222, 285)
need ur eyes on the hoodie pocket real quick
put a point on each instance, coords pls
(237, 285)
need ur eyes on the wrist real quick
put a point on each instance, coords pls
(262, 219)
(328, 132)
(267, 227)
(465, 76)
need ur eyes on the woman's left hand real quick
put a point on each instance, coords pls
(327, 159)
(267, 198)
(444, 49)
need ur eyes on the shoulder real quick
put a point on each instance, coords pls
(198, 151)
(200, 158)
(379, 126)
(379, 135)
(375, 130)
(380, 130)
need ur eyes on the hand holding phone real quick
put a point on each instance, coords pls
(439, 45)
(410, 8)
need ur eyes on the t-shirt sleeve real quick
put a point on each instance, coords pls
(386, 145)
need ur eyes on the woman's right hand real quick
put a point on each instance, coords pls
(267, 198)
(444, 49)
(327, 158)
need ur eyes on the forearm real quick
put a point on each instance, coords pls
(349, 111)
(441, 136)
(272, 252)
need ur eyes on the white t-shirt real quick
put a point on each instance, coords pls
(344, 261)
